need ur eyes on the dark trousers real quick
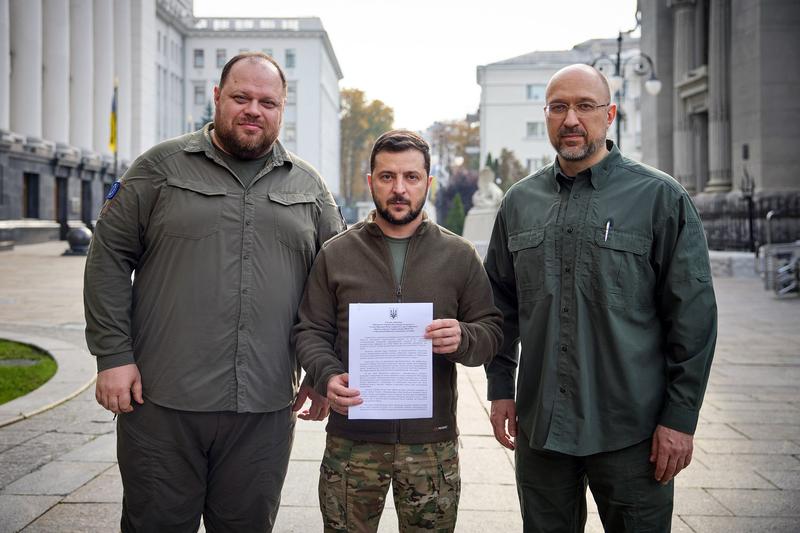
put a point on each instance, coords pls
(552, 490)
(177, 465)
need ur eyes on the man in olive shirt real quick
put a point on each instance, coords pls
(220, 228)
(600, 267)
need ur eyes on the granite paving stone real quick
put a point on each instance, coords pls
(18, 511)
(739, 479)
(740, 524)
(776, 503)
(105, 488)
(102, 448)
(769, 431)
(783, 479)
(78, 518)
(47, 446)
(696, 501)
(58, 477)
(739, 446)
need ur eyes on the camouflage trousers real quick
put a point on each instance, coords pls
(355, 477)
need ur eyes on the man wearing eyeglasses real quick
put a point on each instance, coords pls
(600, 267)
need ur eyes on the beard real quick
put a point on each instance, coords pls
(578, 153)
(244, 146)
(413, 213)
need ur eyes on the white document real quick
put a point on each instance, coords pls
(391, 363)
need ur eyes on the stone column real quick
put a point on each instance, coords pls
(26, 67)
(81, 93)
(5, 65)
(55, 86)
(122, 72)
(699, 125)
(719, 121)
(103, 19)
(683, 62)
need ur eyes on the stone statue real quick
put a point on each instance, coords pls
(488, 195)
(480, 218)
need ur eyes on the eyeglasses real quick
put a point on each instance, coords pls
(582, 109)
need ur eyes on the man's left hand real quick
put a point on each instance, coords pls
(445, 334)
(319, 404)
(671, 452)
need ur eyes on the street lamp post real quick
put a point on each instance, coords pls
(643, 65)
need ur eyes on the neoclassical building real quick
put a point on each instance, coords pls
(728, 118)
(59, 60)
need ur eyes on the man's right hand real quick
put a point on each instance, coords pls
(115, 386)
(504, 412)
(340, 396)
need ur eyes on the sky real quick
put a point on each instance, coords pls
(420, 57)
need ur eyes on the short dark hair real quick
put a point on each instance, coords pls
(400, 141)
(253, 56)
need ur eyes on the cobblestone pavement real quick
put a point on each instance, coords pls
(58, 469)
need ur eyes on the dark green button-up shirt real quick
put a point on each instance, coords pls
(607, 285)
(219, 270)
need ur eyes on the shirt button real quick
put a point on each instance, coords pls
(569, 230)
(244, 291)
(567, 269)
(577, 196)
(563, 309)
(241, 327)
(246, 257)
(562, 390)
(247, 222)
(563, 347)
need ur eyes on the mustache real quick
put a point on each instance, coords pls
(395, 199)
(572, 131)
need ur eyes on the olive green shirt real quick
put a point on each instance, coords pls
(219, 271)
(607, 285)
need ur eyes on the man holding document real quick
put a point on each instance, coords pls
(380, 298)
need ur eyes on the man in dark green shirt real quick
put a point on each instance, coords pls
(220, 228)
(600, 267)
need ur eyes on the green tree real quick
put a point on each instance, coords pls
(361, 123)
(455, 217)
(208, 116)
(508, 169)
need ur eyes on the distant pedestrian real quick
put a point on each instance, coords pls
(396, 255)
(601, 269)
(220, 228)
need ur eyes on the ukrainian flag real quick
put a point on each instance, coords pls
(112, 141)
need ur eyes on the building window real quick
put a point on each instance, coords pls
(290, 58)
(535, 91)
(291, 92)
(199, 58)
(199, 95)
(30, 195)
(221, 57)
(289, 132)
(535, 130)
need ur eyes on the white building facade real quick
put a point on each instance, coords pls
(60, 59)
(513, 99)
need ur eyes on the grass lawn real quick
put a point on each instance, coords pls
(16, 380)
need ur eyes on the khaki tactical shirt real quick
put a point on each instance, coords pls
(607, 285)
(219, 270)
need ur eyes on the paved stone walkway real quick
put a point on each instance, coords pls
(58, 470)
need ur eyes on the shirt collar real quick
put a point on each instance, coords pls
(200, 141)
(598, 174)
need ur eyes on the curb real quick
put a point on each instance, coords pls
(76, 373)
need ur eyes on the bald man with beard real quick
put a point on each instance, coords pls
(600, 267)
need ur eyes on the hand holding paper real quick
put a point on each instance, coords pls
(340, 396)
(445, 333)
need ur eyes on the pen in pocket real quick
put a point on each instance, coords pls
(608, 227)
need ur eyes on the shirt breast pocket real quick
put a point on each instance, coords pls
(527, 247)
(192, 210)
(295, 219)
(620, 272)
